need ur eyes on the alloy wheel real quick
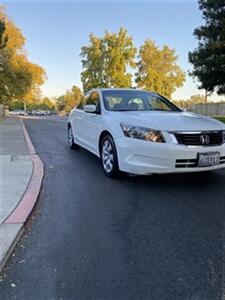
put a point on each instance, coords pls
(107, 156)
(70, 136)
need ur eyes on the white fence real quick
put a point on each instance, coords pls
(210, 109)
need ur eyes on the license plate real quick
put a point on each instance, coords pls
(208, 159)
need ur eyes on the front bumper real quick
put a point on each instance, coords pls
(143, 158)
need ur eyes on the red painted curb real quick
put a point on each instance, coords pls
(22, 211)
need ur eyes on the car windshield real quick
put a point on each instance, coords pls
(133, 100)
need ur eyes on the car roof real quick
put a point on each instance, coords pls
(117, 89)
(121, 89)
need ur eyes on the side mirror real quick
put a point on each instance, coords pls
(90, 108)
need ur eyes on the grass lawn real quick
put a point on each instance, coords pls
(222, 119)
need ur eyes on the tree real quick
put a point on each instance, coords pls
(2, 30)
(105, 60)
(194, 99)
(14, 79)
(14, 82)
(158, 70)
(71, 99)
(93, 64)
(60, 103)
(208, 58)
(33, 94)
(120, 53)
(47, 104)
(19, 78)
(2, 41)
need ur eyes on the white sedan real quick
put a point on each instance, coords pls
(141, 132)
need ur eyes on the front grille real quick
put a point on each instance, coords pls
(192, 163)
(214, 138)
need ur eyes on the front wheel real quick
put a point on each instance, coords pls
(71, 143)
(109, 157)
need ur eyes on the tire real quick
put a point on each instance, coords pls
(71, 143)
(109, 157)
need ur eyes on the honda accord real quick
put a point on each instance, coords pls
(141, 132)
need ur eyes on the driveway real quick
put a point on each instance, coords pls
(158, 237)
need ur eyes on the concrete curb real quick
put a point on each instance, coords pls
(21, 213)
(13, 239)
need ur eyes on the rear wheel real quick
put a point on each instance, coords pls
(71, 143)
(109, 157)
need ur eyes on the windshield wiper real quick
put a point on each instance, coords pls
(125, 110)
(159, 109)
(153, 109)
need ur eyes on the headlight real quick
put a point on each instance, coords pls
(142, 133)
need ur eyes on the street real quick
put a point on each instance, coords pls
(91, 237)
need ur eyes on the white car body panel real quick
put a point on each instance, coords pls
(140, 156)
(168, 121)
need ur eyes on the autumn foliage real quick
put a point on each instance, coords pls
(158, 70)
(107, 63)
(106, 60)
(19, 77)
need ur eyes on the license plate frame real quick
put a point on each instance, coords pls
(208, 159)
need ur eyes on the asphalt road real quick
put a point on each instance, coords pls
(91, 237)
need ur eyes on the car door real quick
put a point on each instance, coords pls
(78, 123)
(92, 123)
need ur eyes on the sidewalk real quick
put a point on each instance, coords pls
(16, 171)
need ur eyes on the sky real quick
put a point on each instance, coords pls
(56, 31)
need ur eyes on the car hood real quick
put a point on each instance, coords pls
(168, 121)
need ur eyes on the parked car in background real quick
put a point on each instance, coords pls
(141, 132)
(18, 112)
(42, 112)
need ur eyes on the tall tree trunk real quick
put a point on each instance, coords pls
(206, 104)
(25, 105)
(206, 96)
